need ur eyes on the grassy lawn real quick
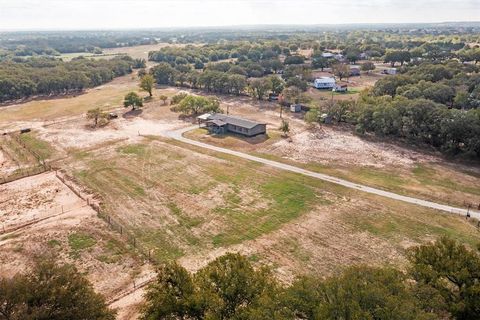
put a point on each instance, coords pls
(41, 147)
(107, 96)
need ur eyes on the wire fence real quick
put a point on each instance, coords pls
(112, 222)
(40, 159)
(36, 218)
(23, 172)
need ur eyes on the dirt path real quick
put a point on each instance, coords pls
(178, 135)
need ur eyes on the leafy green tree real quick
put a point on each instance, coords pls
(297, 59)
(368, 66)
(277, 84)
(172, 296)
(231, 287)
(139, 63)
(163, 73)
(358, 293)
(96, 115)
(397, 56)
(227, 288)
(51, 292)
(141, 73)
(132, 99)
(319, 62)
(285, 127)
(260, 87)
(193, 105)
(451, 271)
(164, 98)
(146, 83)
(341, 70)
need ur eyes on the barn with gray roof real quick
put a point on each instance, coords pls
(221, 123)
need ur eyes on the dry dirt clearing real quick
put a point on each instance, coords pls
(77, 236)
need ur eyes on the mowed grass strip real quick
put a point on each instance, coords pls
(289, 198)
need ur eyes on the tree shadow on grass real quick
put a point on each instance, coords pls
(258, 139)
(132, 113)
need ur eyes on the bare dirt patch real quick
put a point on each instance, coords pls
(107, 261)
(328, 145)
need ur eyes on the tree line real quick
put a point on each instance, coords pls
(442, 281)
(23, 78)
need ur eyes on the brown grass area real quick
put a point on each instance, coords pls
(194, 205)
(77, 236)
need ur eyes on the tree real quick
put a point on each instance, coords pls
(294, 59)
(172, 295)
(397, 56)
(232, 289)
(277, 84)
(368, 66)
(163, 73)
(447, 269)
(352, 57)
(285, 127)
(198, 104)
(146, 83)
(358, 293)
(51, 292)
(298, 83)
(227, 288)
(319, 62)
(133, 100)
(96, 115)
(260, 87)
(139, 63)
(164, 98)
(341, 70)
(141, 73)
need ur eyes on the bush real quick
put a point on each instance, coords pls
(178, 97)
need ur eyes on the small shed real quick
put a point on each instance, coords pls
(295, 108)
(391, 71)
(354, 71)
(325, 118)
(324, 83)
(340, 88)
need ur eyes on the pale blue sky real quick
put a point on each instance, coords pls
(112, 14)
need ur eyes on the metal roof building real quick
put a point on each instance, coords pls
(221, 123)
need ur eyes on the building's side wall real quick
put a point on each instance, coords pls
(258, 129)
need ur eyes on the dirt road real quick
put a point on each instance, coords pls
(178, 135)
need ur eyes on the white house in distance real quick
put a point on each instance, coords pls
(391, 71)
(324, 83)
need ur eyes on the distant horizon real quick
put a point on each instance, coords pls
(241, 26)
(53, 15)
